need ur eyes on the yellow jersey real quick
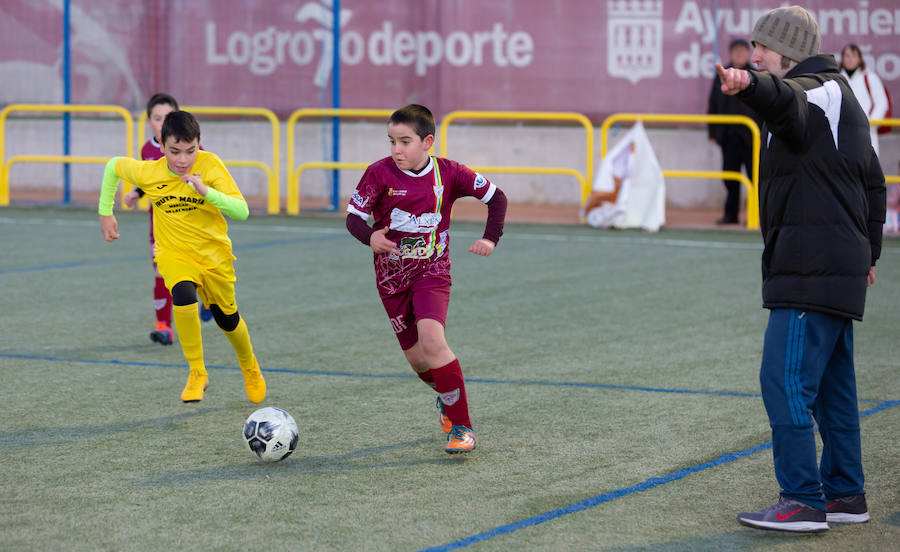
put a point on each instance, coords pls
(185, 223)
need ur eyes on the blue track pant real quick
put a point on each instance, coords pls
(807, 373)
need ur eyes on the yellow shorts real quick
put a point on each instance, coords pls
(215, 286)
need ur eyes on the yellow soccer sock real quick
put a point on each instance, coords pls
(240, 340)
(187, 325)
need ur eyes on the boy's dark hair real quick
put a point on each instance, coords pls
(418, 117)
(180, 125)
(160, 98)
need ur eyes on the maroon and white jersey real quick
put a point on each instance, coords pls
(151, 150)
(416, 208)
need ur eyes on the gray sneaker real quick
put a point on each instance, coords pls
(786, 515)
(847, 509)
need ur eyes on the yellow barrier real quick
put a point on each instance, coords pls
(293, 184)
(893, 123)
(272, 173)
(752, 184)
(293, 207)
(55, 108)
(530, 116)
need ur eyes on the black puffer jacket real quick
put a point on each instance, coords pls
(821, 195)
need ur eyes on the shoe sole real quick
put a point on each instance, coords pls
(842, 517)
(458, 451)
(787, 526)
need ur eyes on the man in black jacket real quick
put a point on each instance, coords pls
(822, 206)
(735, 141)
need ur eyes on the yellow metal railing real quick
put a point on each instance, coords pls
(293, 184)
(273, 172)
(531, 116)
(5, 165)
(752, 184)
(893, 123)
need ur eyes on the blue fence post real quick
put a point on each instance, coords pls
(336, 103)
(67, 99)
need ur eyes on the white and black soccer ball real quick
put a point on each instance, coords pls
(271, 434)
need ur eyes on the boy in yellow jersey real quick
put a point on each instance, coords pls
(189, 190)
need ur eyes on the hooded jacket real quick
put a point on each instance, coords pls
(821, 194)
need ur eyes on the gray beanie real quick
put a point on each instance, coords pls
(790, 31)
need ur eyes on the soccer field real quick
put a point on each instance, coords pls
(612, 380)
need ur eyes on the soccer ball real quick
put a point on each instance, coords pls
(271, 434)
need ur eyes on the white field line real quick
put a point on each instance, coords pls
(580, 238)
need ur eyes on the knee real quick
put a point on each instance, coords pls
(228, 322)
(432, 342)
(184, 293)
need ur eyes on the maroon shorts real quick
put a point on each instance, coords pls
(424, 298)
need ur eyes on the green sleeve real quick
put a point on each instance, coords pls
(234, 207)
(108, 189)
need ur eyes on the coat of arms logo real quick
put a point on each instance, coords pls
(634, 38)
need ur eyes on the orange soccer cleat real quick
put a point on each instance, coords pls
(161, 334)
(460, 439)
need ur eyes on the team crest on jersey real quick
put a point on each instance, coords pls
(408, 222)
(480, 181)
(394, 192)
(414, 248)
(358, 199)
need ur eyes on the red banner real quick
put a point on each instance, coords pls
(594, 57)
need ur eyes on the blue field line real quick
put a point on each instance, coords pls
(619, 493)
(410, 376)
(257, 245)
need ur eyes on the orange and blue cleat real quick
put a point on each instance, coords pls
(205, 313)
(460, 439)
(161, 334)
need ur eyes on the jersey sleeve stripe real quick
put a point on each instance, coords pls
(489, 193)
(357, 212)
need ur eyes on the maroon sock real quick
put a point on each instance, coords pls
(427, 378)
(448, 381)
(162, 302)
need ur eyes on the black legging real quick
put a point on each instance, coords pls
(185, 293)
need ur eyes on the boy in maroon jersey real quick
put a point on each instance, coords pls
(410, 195)
(158, 106)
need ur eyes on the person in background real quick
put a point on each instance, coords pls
(735, 140)
(866, 86)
